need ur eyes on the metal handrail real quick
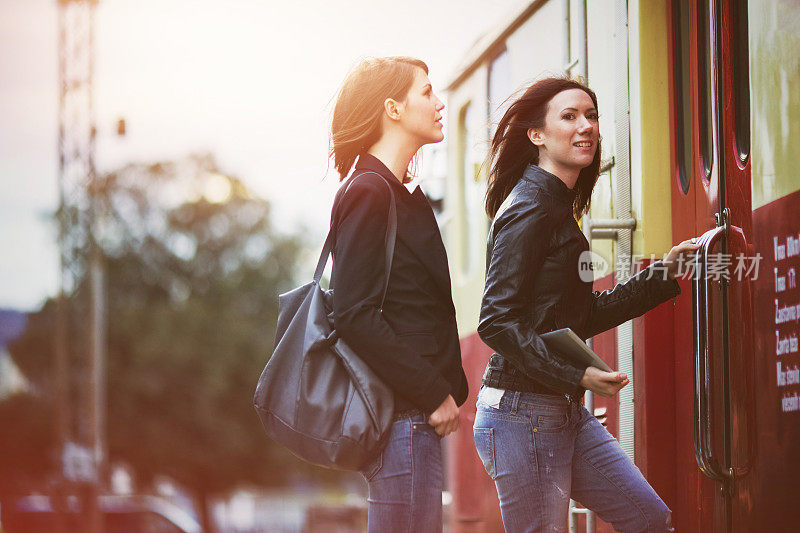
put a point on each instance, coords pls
(704, 453)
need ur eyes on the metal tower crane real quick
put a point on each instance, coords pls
(80, 329)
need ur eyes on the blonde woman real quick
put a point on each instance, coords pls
(385, 112)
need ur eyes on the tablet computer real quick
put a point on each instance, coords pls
(569, 346)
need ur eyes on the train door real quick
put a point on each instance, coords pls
(711, 196)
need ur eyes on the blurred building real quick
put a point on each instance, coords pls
(12, 325)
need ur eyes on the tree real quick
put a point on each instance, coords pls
(194, 266)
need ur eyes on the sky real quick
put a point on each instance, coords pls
(250, 81)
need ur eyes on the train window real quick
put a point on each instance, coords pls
(473, 188)
(499, 92)
(741, 79)
(682, 80)
(465, 135)
(705, 60)
(498, 89)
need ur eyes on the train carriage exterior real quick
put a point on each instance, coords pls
(700, 121)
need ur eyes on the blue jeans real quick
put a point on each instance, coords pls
(542, 450)
(406, 480)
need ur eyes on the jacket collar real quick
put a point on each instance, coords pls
(369, 162)
(417, 226)
(550, 183)
(372, 163)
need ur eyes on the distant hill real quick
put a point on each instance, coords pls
(12, 324)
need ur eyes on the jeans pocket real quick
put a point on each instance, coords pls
(552, 422)
(373, 467)
(490, 397)
(423, 429)
(484, 442)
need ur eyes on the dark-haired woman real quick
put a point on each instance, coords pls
(537, 442)
(385, 112)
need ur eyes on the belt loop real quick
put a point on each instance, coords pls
(515, 402)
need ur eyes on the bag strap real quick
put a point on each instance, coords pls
(391, 237)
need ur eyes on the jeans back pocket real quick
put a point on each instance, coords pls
(484, 442)
(372, 468)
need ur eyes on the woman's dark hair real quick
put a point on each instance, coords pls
(356, 123)
(511, 150)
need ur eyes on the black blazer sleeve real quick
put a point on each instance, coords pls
(635, 297)
(360, 219)
(521, 237)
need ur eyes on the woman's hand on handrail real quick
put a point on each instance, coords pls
(603, 383)
(679, 256)
(445, 418)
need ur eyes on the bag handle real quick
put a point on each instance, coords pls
(391, 237)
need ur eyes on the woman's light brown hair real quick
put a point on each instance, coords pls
(356, 123)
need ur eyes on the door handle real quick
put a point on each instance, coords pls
(704, 453)
(702, 321)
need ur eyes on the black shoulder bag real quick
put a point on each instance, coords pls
(316, 396)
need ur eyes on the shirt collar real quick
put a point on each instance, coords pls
(550, 183)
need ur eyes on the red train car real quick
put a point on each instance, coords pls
(700, 110)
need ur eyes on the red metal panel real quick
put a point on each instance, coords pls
(693, 502)
(683, 205)
(778, 426)
(696, 503)
(605, 345)
(694, 492)
(738, 200)
(475, 507)
(654, 381)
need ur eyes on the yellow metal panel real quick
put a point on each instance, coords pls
(774, 88)
(653, 233)
(466, 230)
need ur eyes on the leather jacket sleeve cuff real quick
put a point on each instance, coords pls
(575, 377)
(664, 287)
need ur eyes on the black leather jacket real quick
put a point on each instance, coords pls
(533, 286)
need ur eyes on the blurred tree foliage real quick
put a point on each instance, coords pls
(193, 269)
